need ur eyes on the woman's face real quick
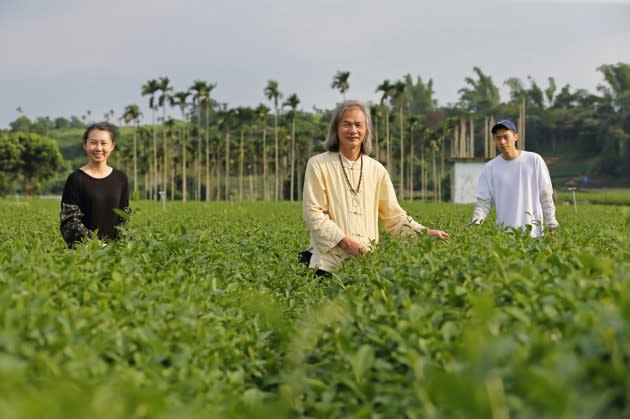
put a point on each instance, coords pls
(98, 146)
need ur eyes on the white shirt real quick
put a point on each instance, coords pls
(519, 189)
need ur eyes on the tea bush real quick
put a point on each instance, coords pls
(202, 311)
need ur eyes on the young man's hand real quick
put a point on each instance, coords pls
(475, 222)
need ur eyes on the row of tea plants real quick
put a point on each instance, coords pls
(202, 310)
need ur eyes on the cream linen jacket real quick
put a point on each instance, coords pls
(331, 215)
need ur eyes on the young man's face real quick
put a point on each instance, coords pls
(505, 140)
(98, 146)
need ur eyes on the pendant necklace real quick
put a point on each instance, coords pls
(355, 192)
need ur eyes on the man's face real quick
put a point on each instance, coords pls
(351, 130)
(505, 140)
(98, 146)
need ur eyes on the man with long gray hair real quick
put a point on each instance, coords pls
(346, 192)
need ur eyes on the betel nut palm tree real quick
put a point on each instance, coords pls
(150, 88)
(340, 82)
(386, 91)
(201, 98)
(292, 102)
(398, 97)
(273, 94)
(132, 114)
(180, 99)
(262, 112)
(165, 88)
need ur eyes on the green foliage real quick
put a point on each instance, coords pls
(340, 82)
(595, 196)
(617, 77)
(22, 123)
(588, 133)
(44, 125)
(27, 160)
(201, 310)
(419, 95)
(481, 96)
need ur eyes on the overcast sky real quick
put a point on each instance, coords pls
(63, 57)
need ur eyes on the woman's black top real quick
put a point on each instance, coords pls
(88, 203)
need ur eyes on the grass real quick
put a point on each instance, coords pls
(595, 196)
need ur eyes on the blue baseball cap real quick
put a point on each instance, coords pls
(504, 123)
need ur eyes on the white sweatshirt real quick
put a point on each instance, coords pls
(521, 191)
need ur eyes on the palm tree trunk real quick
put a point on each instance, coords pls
(292, 156)
(277, 163)
(387, 142)
(251, 178)
(165, 152)
(422, 169)
(146, 182)
(410, 178)
(401, 184)
(172, 175)
(486, 143)
(199, 160)
(217, 175)
(471, 144)
(442, 166)
(207, 134)
(463, 133)
(299, 180)
(241, 158)
(184, 179)
(376, 136)
(435, 192)
(227, 165)
(265, 165)
(135, 161)
(197, 179)
(154, 177)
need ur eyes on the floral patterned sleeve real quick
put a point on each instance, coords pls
(72, 229)
(124, 202)
(71, 217)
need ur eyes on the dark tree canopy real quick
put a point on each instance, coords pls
(27, 160)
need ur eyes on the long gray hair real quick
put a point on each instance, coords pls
(332, 141)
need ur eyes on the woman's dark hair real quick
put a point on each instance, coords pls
(101, 126)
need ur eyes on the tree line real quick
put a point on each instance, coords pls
(193, 147)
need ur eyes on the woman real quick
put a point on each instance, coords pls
(94, 191)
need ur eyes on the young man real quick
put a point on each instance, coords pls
(92, 192)
(517, 183)
(346, 193)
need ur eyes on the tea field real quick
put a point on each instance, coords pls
(202, 311)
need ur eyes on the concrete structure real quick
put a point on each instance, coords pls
(466, 167)
(464, 179)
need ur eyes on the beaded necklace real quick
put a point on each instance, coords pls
(355, 193)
